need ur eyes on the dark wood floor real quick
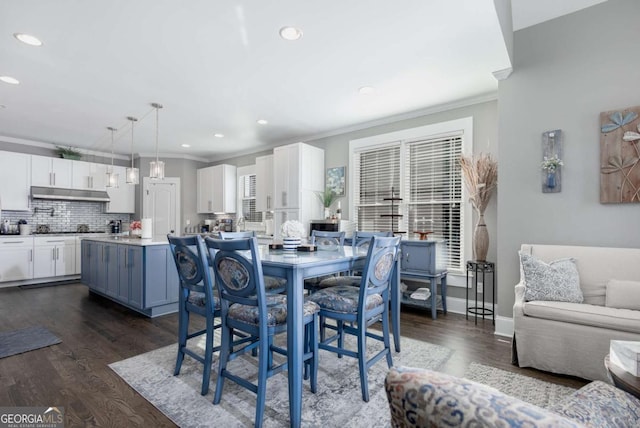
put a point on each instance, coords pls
(96, 332)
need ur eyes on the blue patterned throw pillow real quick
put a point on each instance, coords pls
(557, 281)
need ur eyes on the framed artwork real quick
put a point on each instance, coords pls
(335, 180)
(620, 156)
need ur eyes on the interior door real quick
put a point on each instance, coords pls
(161, 203)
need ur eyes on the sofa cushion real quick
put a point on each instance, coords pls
(581, 313)
(555, 281)
(623, 294)
(600, 405)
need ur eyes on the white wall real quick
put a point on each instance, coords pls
(566, 72)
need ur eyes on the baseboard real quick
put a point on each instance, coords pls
(504, 325)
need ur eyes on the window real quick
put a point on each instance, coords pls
(421, 167)
(248, 198)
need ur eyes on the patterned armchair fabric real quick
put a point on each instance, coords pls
(425, 398)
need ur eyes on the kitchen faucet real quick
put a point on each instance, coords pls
(240, 224)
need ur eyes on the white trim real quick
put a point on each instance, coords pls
(464, 124)
(504, 326)
(172, 156)
(502, 74)
(52, 146)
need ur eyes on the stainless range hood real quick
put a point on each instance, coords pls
(69, 194)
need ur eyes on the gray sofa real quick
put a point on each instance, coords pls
(573, 338)
(426, 398)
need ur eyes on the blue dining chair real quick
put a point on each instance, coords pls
(246, 307)
(324, 241)
(359, 241)
(272, 284)
(196, 297)
(361, 307)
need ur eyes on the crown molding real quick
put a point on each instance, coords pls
(502, 74)
(172, 156)
(33, 143)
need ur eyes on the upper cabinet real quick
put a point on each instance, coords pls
(122, 198)
(88, 175)
(51, 172)
(264, 183)
(15, 181)
(298, 169)
(216, 189)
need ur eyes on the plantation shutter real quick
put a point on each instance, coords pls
(376, 172)
(433, 193)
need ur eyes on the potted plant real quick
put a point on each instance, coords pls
(68, 153)
(327, 198)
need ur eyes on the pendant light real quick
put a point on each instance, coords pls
(133, 174)
(156, 168)
(112, 177)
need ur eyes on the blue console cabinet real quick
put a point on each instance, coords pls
(418, 263)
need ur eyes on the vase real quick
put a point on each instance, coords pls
(290, 244)
(480, 240)
(327, 213)
(551, 179)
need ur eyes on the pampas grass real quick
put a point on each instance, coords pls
(481, 177)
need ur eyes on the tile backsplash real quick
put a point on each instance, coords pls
(67, 215)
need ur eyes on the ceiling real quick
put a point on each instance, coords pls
(218, 67)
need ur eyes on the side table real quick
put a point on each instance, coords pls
(481, 267)
(622, 379)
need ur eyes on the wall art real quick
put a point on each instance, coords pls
(336, 180)
(552, 163)
(620, 156)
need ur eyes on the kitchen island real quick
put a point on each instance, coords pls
(137, 273)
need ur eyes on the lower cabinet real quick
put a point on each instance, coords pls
(141, 277)
(130, 273)
(54, 257)
(16, 259)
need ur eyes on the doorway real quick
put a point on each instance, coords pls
(161, 203)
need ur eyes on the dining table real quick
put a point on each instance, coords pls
(296, 266)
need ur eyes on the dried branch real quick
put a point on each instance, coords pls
(481, 177)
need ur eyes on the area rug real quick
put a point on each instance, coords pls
(534, 391)
(26, 339)
(337, 403)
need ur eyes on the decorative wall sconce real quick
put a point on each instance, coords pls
(551, 161)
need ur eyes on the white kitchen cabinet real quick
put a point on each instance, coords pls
(54, 256)
(15, 181)
(16, 256)
(298, 171)
(121, 198)
(51, 172)
(216, 189)
(264, 183)
(88, 175)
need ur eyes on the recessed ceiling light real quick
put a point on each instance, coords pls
(186, 145)
(10, 80)
(262, 122)
(290, 33)
(28, 39)
(366, 90)
(218, 135)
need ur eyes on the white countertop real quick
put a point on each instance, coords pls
(127, 241)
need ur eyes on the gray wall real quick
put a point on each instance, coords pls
(566, 72)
